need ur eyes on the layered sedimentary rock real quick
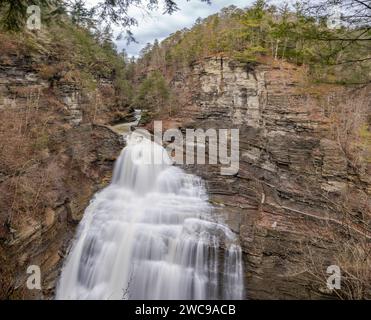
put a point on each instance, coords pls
(286, 200)
(52, 160)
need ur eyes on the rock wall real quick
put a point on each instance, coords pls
(286, 200)
(54, 155)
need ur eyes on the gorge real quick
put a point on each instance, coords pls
(77, 201)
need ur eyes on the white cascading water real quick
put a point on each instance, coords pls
(151, 234)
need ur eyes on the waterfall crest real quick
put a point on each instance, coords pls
(151, 234)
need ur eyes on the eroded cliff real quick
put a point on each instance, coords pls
(55, 153)
(300, 201)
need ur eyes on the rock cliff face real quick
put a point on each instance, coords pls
(52, 160)
(295, 187)
(294, 192)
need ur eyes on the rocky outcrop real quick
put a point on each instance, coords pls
(295, 187)
(80, 163)
(54, 155)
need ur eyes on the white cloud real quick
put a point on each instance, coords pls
(159, 26)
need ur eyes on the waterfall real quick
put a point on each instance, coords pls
(151, 234)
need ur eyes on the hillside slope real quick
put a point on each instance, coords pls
(58, 88)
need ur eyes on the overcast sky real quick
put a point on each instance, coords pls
(159, 26)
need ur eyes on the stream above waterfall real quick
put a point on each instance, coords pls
(152, 234)
(125, 127)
